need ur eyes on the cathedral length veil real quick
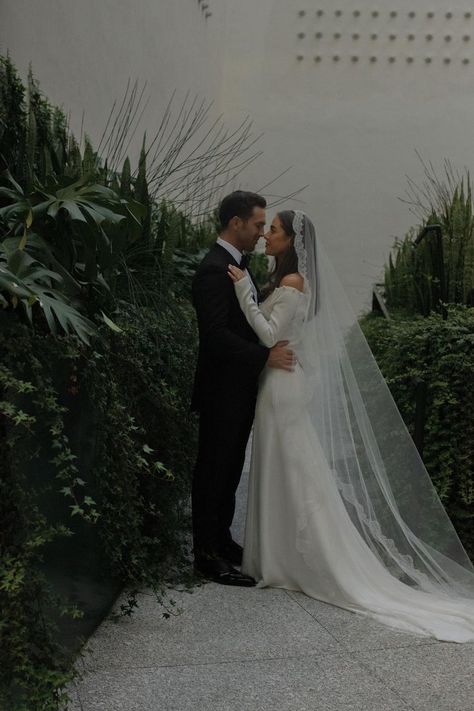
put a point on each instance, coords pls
(384, 485)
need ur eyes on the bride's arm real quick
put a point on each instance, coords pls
(284, 307)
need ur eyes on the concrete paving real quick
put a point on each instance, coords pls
(239, 649)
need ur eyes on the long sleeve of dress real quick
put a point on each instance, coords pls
(284, 308)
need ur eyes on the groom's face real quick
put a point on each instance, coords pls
(252, 229)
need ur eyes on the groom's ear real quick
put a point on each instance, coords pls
(235, 223)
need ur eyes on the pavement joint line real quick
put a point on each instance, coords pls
(408, 645)
(247, 660)
(374, 674)
(170, 665)
(312, 616)
(343, 653)
(366, 667)
(341, 650)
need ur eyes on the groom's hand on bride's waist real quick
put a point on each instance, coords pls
(281, 357)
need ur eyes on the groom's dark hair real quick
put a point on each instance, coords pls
(240, 203)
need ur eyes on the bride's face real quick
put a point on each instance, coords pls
(277, 242)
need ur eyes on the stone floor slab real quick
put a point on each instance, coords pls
(75, 703)
(217, 624)
(297, 684)
(435, 677)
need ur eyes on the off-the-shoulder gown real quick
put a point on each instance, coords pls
(321, 553)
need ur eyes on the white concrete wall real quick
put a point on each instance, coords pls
(83, 52)
(350, 129)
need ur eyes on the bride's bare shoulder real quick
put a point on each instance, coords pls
(295, 280)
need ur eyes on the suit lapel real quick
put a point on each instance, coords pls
(225, 254)
(222, 252)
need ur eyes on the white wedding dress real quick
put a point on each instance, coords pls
(298, 533)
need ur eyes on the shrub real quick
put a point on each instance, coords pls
(437, 267)
(106, 433)
(437, 355)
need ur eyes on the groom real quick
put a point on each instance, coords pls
(229, 362)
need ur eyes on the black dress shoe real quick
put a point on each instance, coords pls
(232, 552)
(220, 571)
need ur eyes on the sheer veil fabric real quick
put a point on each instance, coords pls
(383, 483)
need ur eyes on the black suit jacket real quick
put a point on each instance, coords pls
(230, 358)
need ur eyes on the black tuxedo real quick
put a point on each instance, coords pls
(229, 362)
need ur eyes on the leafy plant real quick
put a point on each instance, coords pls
(439, 354)
(107, 433)
(437, 267)
(33, 667)
(27, 282)
(80, 230)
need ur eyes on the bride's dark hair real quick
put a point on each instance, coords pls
(288, 262)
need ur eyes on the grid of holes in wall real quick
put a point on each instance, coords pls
(388, 36)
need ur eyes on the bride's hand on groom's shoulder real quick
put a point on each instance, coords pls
(281, 357)
(235, 273)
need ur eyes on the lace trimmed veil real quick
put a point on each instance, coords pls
(380, 475)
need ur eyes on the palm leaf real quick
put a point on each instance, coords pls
(28, 282)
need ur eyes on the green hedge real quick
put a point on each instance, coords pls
(105, 432)
(437, 355)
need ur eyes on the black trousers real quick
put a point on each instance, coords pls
(224, 428)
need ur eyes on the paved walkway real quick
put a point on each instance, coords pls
(238, 649)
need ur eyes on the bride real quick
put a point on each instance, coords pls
(340, 505)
